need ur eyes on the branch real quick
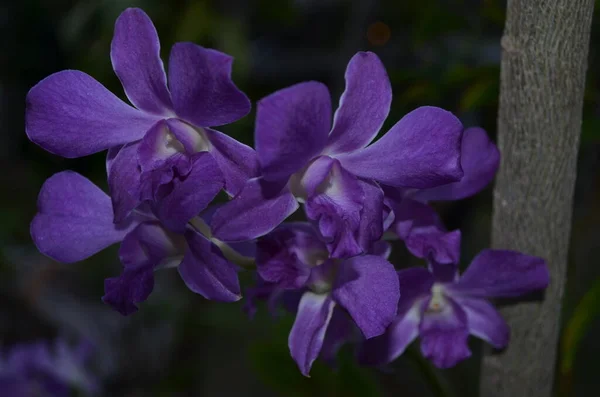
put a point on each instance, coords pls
(544, 60)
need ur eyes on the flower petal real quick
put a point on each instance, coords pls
(367, 287)
(410, 214)
(205, 270)
(291, 128)
(253, 212)
(286, 255)
(74, 219)
(372, 215)
(238, 162)
(444, 335)
(201, 86)
(336, 210)
(485, 322)
(135, 56)
(308, 332)
(72, 115)
(502, 273)
(364, 105)
(480, 159)
(131, 287)
(124, 181)
(422, 150)
(191, 193)
(340, 330)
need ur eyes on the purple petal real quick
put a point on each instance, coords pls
(285, 255)
(72, 115)
(341, 329)
(368, 288)
(364, 105)
(306, 184)
(372, 215)
(190, 194)
(480, 159)
(158, 146)
(500, 273)
(135, 56)
(74, 219)
(252, 214)
(201, 86)
(147, 247)
(485, 322)
(415, 283)
(336, 210)
(444, 335)
(124, 181)
(238, 162)
(429, 242)
(205, 270)
(291, 128)
(410, 214)
(308, 332)
(422, 150)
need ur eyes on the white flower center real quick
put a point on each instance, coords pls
(438, 300)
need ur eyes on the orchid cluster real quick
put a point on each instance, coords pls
(167, 163)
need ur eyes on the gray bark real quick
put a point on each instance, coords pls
(544, 60)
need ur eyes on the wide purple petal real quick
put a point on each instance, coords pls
(201, 86)
(291, 128)
(238, 162)
(205, 270)
(502, 273)
(444, 335)
(135, 56)
(252, 213)
(336, 210)
(308, 332)
(146, 248)
(480, 159)
(364, 105)
(72, 115)
(422, 150)
(485, 322)
(124, 181)
(74, 219)
(285, 256)
(368, 288)
(191, 193)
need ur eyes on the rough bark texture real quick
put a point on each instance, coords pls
(544, 60)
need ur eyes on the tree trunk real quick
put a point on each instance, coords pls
(544, 60)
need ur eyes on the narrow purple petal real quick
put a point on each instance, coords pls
(485, 322)
(368, 288)
(422, 150)
(372, 215)
(124, 181)
(74, 219)
(291, 128)
(364, 105)
(205, 270)
(135, 56)
(480, 159)
(201, 86)
(253, 212)
(341, 329)
(336, 210)
(238, 162)
(307, 334)
(190, 194)
(500, 273)
(125, 292)
(444, 335)
(72, 115)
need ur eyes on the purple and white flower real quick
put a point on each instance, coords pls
(333, 170)
(75, 221)
(443, 308)
(72, 115)
(332, 291)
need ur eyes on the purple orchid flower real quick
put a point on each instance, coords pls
(38, 369)
(72, 115)
(416, 221)
(443, 308)
(363, 288)
(75, 221)
(333, 171)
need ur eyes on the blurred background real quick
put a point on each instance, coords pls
(437, 52)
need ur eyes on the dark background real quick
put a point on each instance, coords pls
(437, 52)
